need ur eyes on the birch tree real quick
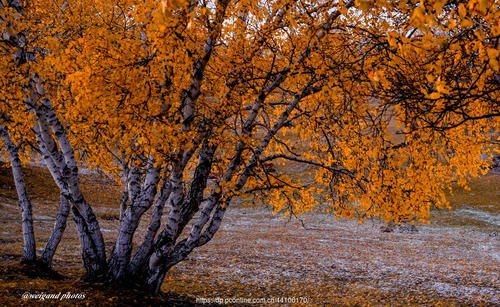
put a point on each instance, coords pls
(191, 105)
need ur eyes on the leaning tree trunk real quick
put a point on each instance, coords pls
(29, 246)
(62, 167)
(61, 164)
(56, 236)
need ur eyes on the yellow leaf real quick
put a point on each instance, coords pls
(435, 95)
(363, 4)
(438, 5)
(462, 11)
(466, 23)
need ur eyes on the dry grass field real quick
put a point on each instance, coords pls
(454, 261)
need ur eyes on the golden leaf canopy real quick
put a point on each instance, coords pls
(362, 108)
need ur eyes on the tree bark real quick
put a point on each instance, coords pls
(71, 173)
(120, 256)
(29, 243)
(92, 243)
(144, 251)
(94, 266)
(57, 233)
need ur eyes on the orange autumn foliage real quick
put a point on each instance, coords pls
(387, 105)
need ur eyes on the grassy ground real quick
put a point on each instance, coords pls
(453, 261)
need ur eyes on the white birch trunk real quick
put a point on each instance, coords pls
(120, 257)
(29, 243)
(57, 233)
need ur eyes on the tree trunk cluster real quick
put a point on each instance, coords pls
(149, 184)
